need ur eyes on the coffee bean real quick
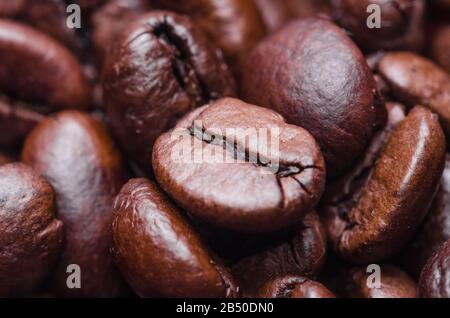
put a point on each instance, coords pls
(157, 250)
(294, 287)
(37, 76)
(161, 68)
(382, 212)
(415, 80)
(269, 189)
(74, 152)
(389, 282)
(440, 46)
(314, 75)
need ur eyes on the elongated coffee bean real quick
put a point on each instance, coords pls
(74, 152)
(157, 250)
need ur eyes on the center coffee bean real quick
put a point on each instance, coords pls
(234, 164)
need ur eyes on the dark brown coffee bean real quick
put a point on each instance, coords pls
(241, 167)
(157, 250)
(161, 68)
(303, 254)
(415, 80)
(74, 152)
(362, 282)
(435, 278)
(402, 23)
(294, 287)
(233, 25)
(37, 75)
(30, 235)
(434, 232)
(384, 209)
(314, 75)
(440, 47)
(109, 20)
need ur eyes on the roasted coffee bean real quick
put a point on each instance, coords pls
(158, 251)
(402, 23)
(109, 20)
(364, 282)
(30, 235)
(75, 154)
(313, 74)
(435, 278)
(434, 232)
(383, 210)
(161, 68)
(415, 80)
(37, 75)
(291, 286)
(440, 47)
(303, 254)
(233, 25)
(241, 167)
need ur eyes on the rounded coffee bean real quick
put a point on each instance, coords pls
(74, 152)
(303, 254)
(382, 211)
(293, 287)
(37, 75)
(313, 74)
(435, 230)
(401, 25)
(157, 250)
(240, 167)
(440, 47)
(387, 281)
(435, 278)
(30, 235)
(233, 25)
(161, 68)
(415, 80)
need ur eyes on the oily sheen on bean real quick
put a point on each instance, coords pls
(161, 68)
(158, 251)
(315, 76)
(77, 156)
(381, 213)
(280, 185)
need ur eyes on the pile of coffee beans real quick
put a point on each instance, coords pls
(225, 148)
